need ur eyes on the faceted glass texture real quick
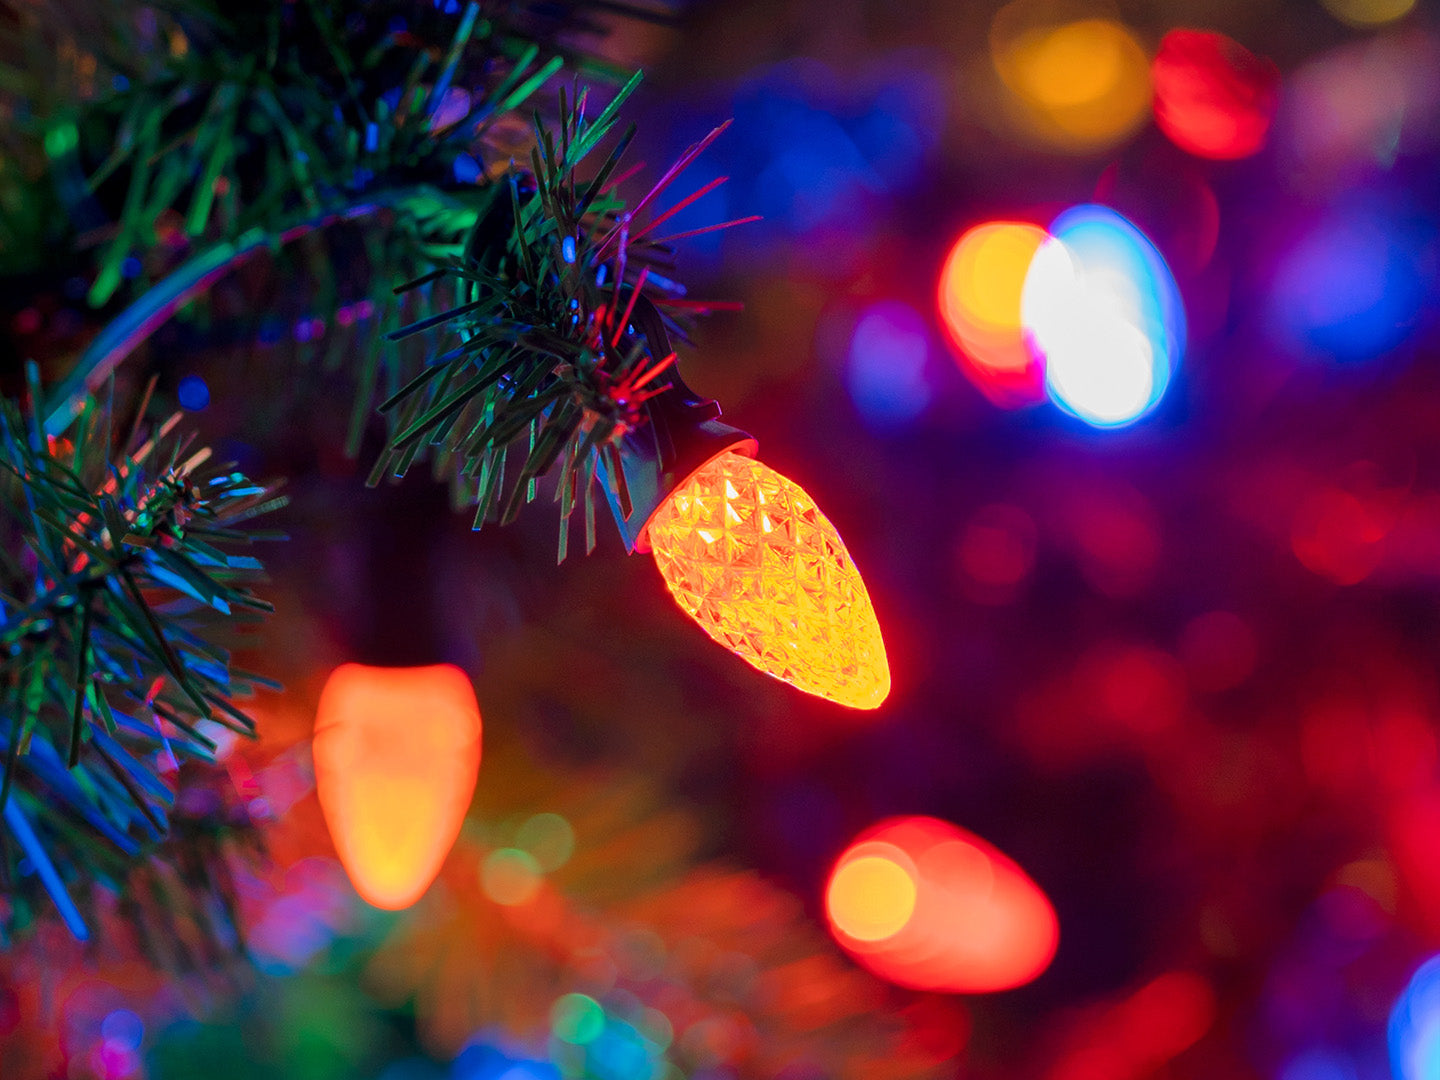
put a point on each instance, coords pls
(751, 558)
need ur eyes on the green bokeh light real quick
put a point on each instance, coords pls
(549, 838)
(61, 139)
(576, 1018)
(510, 876)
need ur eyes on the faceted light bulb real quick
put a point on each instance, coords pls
(752, 559)
(396, 751)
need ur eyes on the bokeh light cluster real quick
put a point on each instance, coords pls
(979, 297)
(1184, 675)
(513, 876)
(1089, 310)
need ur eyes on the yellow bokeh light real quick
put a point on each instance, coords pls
(1072, 65)
(1369, 12)
(751, 558)
(980, 289)
(510, 876)
(871, 898)
(992, 261)
(1081, 85)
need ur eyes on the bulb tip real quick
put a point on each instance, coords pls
(866, 691)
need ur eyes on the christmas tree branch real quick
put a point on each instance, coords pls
(117, 590)
(243, 128)
(226, 118)
(195, 276)
(560, 337)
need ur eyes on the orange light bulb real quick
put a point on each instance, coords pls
(397, 752)
(928, 905)
(751, 558)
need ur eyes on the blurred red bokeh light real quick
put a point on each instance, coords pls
(927, 905)
(1213, 97)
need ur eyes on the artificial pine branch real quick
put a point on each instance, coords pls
(200, 120)
(117, 590)
(297, 116)
(242, 128)
(545, 269)
(552, 286)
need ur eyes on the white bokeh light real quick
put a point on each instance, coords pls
(1104, 372)
(1101, 308)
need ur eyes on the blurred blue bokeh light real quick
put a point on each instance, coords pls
(1414, 1034)
(886, 363)
(1357, 284)
(813, 151)
(193, 393)
(481, 1060)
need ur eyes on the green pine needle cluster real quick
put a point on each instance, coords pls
(545, 354)
(120, 587)
(199, 119)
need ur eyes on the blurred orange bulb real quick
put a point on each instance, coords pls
(1083, 84)
(751, 558)
(979, 298)
(397, 751)
(928, 905)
